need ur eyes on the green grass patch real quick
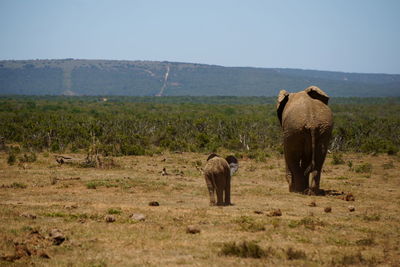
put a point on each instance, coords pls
(114, 211)
(250, 224)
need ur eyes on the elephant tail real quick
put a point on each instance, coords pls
(311, 167)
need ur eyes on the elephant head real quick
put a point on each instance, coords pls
(218, 172)
(307, 125)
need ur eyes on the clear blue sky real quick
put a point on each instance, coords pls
(339, 35)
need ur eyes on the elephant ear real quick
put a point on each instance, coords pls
(283, 98)
(212, 155)
(233, 164)
(316, 93)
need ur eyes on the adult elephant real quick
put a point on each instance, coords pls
(218, 172)
(307, 124)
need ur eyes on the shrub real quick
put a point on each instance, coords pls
(363, 168)
(244, 250)
(337, 159)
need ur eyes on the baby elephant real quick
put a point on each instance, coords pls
(218, 173)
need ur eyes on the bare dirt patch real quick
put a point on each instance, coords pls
(266, 226)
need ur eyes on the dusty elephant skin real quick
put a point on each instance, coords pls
(217, 173)
(307, 124)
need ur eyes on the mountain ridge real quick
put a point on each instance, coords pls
(150, 78)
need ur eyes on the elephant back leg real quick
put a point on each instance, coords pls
(211, 188)
(320, 154)
(294, 151)
(228, 190)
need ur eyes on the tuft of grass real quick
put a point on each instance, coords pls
(293, 254)
(363, 168)
(339, 178)
(11, 159)
(245, 249)
(18, 185)
(337, 159)
(354, 259)
(388, 165)
(307, 222)
(114, 211)
(250, 224)
(366, 242)
(91, 185)
(371, 217)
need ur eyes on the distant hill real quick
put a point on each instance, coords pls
(151, 78)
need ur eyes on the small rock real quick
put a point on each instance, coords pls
(258, 212)
(328, 209)
(191, 229)
(350, 197)
(57, 237)
(164, 172)
(28, 215)
(154, 203)
(276, 212)
(312, 204)
(110, 218)
(138, 217)
(351, 208)
(43, 254)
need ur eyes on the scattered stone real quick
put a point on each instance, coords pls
(328, 209)
(276, 212)
(312, 204)
(110, 218)
(43, 254)
(351, 208)
(349, 197)
(191, 229)
(154, 203)
(28, 215)
(57, 236)
(258, 212)
(164, 172)
(138, 217)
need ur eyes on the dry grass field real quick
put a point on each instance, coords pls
(65, 215)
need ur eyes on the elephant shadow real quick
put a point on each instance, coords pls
(324, 192)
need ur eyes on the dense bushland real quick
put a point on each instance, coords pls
(137, 126)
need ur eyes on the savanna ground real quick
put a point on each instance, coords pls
(38, 197)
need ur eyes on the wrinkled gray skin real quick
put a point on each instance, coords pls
(217, 173)
(307, 124)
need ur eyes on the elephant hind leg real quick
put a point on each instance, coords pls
(211, 191)
(220, 194)
(228, 192)
(299, 183)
